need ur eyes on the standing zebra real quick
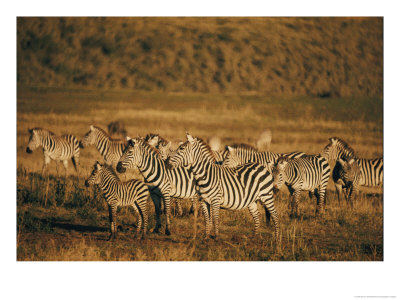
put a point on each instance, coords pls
(371, 170)
(243, 153)
(131, 193)
(163, 181)
(57, 148)
(164, 148)
(349, 176)
(309, 173)
(229, 188)
(110, 149)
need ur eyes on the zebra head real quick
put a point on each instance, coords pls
(336, 149)
(132, 155)
(89, 138)
(34, 141)
(279, 173)
(182, 156)
(232, 159)
(95, 177)
(350, 169)
(165, 150)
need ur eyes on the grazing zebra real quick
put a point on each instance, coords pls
(309, 173)
(57, 148)
(131, 193)
(371, 170)
(349, 176)
(163, 181)
(228, 188)
(243, 153)
(110, 149)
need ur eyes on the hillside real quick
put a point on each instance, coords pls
(276, 56)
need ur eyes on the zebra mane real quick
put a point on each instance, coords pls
(207, 146)
(107, 135)
(244, 147)
(341, 143)
(161, 140)
(42, 130)
(149, 147)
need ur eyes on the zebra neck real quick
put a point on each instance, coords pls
(47, 143)
(151, 167)
(109, 183)
(103, 144)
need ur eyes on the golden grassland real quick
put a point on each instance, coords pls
(58, 218)
(280, 56)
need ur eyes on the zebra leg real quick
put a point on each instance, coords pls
(75, 162)
(206, 208)
(139, 224)
(178, 202)
(167, 210)
(112, 210)
(269, 206)
(46, 162)
(253, 209)
(65, 163)
(267, 215)
(142, 206)
(157, 203)
(338, 191)
(295, 203)
(215, 206)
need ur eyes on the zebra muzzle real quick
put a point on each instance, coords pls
(81, 145)
(120, 168)
(28, 150)
(87, 183)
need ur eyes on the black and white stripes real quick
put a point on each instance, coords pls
(58, 148)
(132, 193)
(229, 188)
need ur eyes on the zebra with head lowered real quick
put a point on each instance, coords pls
(309, 173)
(239, 154)
(163, 182)
(131, 193)
(55, 147)
(228, 188)
(110, 149)
(370, 170)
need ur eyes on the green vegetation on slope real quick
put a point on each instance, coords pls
(279, 56)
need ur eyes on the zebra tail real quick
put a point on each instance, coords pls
(74, 163)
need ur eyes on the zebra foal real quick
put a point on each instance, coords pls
(132, 193)
(228, 188)
(57, 148)
(309, 173)
(110, 149)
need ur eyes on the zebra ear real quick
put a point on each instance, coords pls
(168, 145)
(341, 162)
(189, 137)
(30, 131)
(131, 142)
(333, 140)
(128, 138)
(98, 166)
(91, 127)
(230, 149)
(351, 161)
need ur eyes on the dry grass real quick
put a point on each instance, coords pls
(60, 219)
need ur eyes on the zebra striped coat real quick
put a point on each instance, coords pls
(303, 174)
(132, 193)
(163, 181)
(370, 170)
(229, 188)
(348, 176)
(58, 148)
(242, 153)
(110, 149)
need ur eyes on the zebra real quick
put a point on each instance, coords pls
(239, 154)
(132, 193)
(228, 188)
(371, 170)
(163, 182)
(110, 149)
(349, 176)
(55, 147)
(309, 173)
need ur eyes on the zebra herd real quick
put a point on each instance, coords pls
(238, 177)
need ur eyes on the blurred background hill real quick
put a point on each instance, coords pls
(325, 57)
